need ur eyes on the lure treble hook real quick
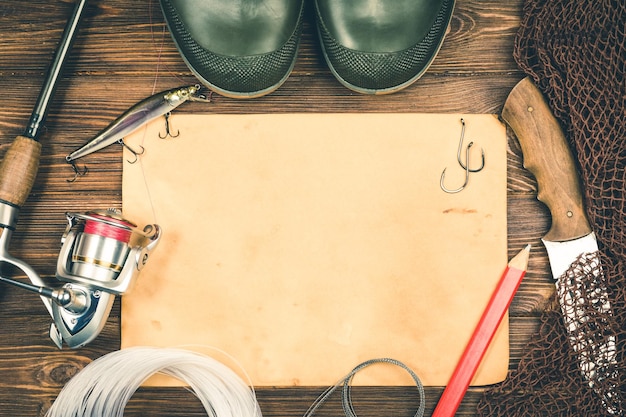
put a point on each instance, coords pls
(132, 151)
(77, 172)
(168, 132)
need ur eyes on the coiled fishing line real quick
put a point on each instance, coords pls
(104, 387)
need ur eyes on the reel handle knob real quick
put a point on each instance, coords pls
(71, 300)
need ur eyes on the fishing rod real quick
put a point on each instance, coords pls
(102, 252)
(21, 162)
(19, 167)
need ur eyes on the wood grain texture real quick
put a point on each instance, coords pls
(123, 54)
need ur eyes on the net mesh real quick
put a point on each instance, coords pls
(574, 50)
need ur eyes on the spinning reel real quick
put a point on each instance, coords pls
(101, 256)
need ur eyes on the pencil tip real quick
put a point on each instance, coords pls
(520, 261)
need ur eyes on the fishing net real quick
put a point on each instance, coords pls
(574, 50)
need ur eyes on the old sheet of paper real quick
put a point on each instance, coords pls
(305, 244)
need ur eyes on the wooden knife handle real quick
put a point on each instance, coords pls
(18, 170)
(548, 157)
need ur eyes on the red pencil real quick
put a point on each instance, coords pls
(483, 334)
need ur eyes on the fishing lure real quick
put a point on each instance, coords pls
(141, 113)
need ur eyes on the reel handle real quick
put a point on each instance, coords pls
(18, 170)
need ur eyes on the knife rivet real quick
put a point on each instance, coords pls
(570, 214)
(530, 109)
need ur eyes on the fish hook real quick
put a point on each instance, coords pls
(131, 150)
(77, 172)
(467, 173)
(168, 132)
(458, 152)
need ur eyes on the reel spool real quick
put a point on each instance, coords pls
(101, 256)
(101, 248)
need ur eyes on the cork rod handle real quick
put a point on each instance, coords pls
(18, 170)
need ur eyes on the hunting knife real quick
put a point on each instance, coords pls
(570, 238)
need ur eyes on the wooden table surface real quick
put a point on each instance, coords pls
(122, 54)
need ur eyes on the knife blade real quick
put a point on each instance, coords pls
(570, 242)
